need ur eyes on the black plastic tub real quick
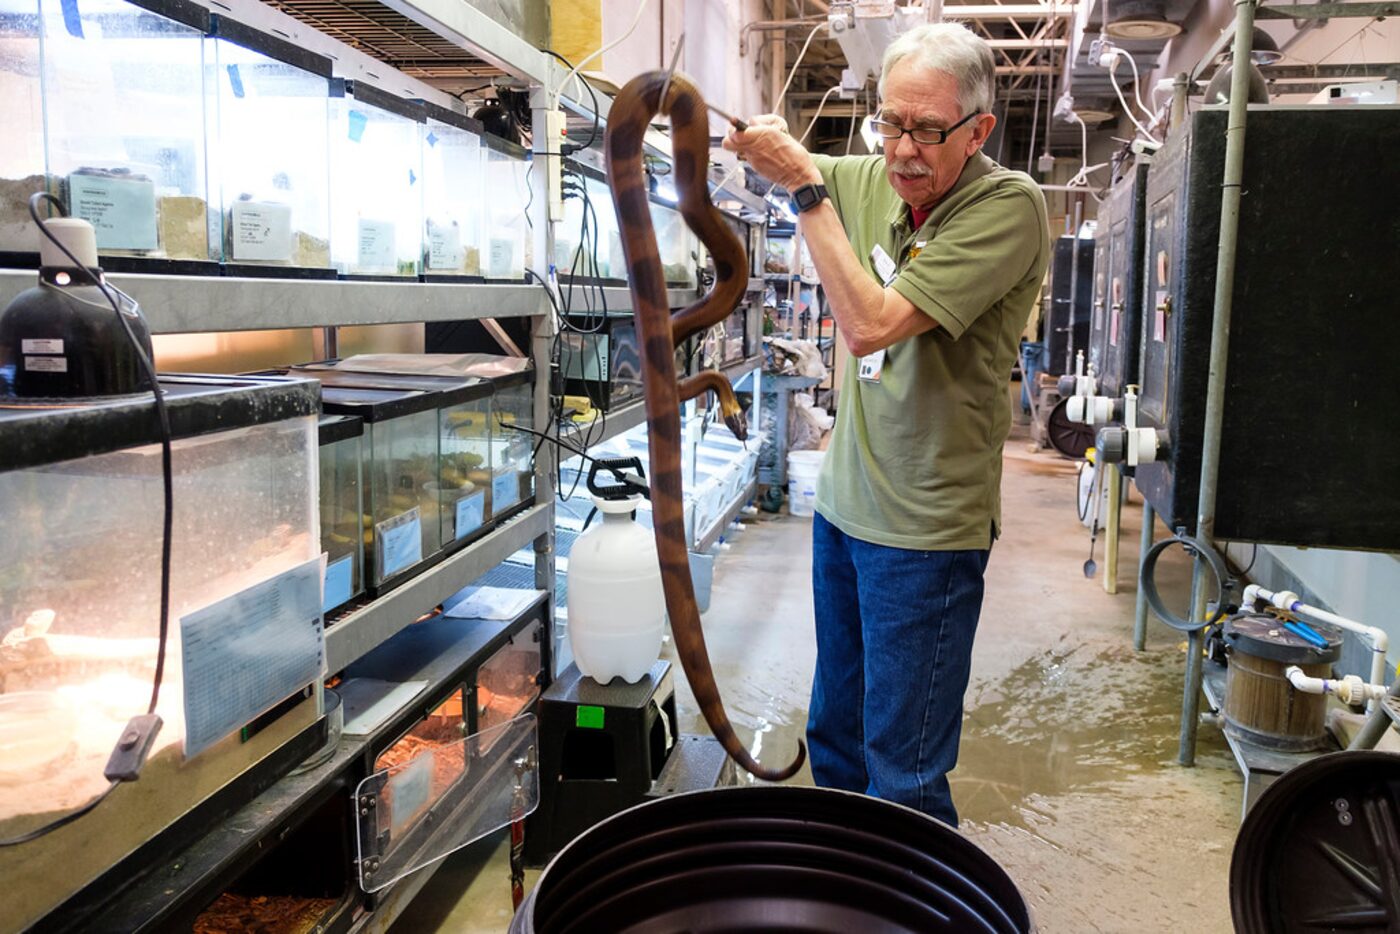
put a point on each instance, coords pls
(1320, 849)
(770, 859)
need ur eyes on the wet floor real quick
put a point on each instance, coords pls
(1067, 773)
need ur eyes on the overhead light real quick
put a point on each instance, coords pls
(1140, 19)
(1218, 91)
(1092, 112)
(1265, 49)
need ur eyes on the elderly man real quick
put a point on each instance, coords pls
(932, 256)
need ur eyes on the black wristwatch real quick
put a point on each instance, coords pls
(808, 197)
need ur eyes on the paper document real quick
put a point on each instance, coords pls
(492, 603)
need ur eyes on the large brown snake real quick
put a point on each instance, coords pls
(661, 332)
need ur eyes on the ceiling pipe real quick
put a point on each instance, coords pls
(773, 25)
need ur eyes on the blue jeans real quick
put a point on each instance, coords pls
(894, 651)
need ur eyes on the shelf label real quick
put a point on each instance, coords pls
(377, 245)
(505, 491)
(339, 588)
(121, 210)
(248, 652)
(262, 231)
(399, 542)
(445, 246)
(502, 257)
(471, 512)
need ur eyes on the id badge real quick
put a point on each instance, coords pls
(871, 365)
(884, 265)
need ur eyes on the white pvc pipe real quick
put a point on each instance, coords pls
(1287, 600)
(1309, 685)
(1351, 689)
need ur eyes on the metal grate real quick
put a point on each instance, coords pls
(519, 577)
(394, 39)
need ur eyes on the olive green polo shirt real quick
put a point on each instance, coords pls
(915, 460)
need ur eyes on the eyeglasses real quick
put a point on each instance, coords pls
(924, 135)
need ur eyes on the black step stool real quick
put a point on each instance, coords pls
(602, 746)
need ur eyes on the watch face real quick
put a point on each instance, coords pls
(808, 196)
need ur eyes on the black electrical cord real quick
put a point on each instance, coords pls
(167, 523)
(569, 148)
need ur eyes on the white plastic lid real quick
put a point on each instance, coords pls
(76, 234)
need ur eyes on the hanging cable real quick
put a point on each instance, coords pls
(851, 132)
(611, 45)
(1115, 56)
(569, 148)
(816, 116)
(111, 293)
(777, 104)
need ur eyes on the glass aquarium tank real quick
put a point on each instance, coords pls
(596, 254)
(403, 529)
(270, 163)
(611, 262)
(453, 197)
(343, 527)
(505, 237)
(463, 406)
(676, 244)
(81, 490)
(22, 116)
(376, 174)
(125, 111)
(512, 452)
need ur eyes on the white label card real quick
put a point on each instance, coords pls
(884, 265)
(377, 246)
(262, 231)
(249, 651)
(445, 246)
(121, 210)
(502, 257)
(54, 345)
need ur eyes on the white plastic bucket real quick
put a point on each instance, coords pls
(803, 467)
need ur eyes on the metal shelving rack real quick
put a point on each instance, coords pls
(182, 305)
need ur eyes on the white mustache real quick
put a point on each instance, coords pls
(910, 167)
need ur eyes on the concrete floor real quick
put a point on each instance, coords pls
(1067, 772)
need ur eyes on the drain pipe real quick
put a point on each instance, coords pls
(1377, 638)
(1073, 284)
(1181, 88)
(1149, 516)
(1377, 723)
(1219, 355)
(1350, 689)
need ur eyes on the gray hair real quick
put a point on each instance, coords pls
(951, 48)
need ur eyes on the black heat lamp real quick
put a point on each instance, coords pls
(62, 338)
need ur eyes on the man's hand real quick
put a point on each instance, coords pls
(774, 154)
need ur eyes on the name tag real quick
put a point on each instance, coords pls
(871, 365)
(884, 266)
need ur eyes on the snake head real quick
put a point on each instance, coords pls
(738, 424)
